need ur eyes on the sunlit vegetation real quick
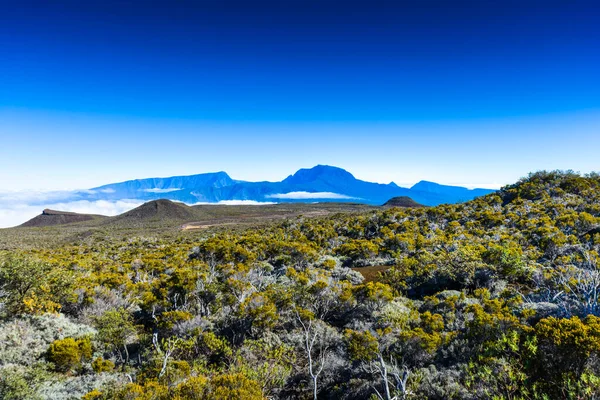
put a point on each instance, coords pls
(496, 298)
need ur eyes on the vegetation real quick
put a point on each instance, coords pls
(496, 298)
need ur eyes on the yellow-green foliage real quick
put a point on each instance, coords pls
(194, 388)
(32, 285)
(261, 309)
(566, 345)
(429, 334)
(484, 299)
(219, 387)
(361, 345)
(68, 354)
(169, 318)
(101, 365)
(115, 329)
(93, 395)
(234, 386)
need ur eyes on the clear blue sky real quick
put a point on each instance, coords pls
(460, 92)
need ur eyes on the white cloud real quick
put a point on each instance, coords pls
(34, 197)
(157, 190)
(308, 195)
(244, 202)
(18, 207)
(102, 207)
(238, 203)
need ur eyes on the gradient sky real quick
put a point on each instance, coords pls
(477, 93)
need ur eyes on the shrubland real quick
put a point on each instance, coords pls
(496, 298)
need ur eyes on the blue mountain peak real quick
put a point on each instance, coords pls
(323, 179)
(425, 186)
(323, 173)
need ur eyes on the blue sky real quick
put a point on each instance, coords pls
(461, 92)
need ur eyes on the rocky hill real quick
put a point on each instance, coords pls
(402, 201)
(161, 210)
(52, 217)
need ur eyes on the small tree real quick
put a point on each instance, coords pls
(373, 349)
(116, 330)
(30, 285)
(315, 343)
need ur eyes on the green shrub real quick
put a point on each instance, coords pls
(101, 365)
(68, 354)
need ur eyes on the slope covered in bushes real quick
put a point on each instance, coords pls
(494, 298)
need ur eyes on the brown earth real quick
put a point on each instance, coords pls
(371, 274)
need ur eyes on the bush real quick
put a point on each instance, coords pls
(24, 340)
(32, 286)
(235, 386)
(566, 345)
(100, 365)
(76, 387)
(192, 389)
(14, 384)
(68, 354)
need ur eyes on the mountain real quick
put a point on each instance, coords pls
(453, 194)
(402, 201)
(52, 217)
(321, 174)
(177, 187)
(321, 183)
(159, 210)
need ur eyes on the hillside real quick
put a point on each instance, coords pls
(158, 210)
(167, 218)
(52, 217)
(402, 201)
(451, 194)
(491, 298)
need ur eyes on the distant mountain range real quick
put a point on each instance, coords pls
(318, 184)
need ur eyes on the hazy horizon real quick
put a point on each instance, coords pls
(119, 150)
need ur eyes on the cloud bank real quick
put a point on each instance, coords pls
(308, 195)
(238, 203)
(18, 207)
(493, 186)
(157, 190)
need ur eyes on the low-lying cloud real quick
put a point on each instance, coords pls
(158, 190)
(19, 207)
(238, 203)
(244, 202)
(493, 186)
(308, 196)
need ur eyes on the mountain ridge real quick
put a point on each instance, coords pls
(322, 183)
